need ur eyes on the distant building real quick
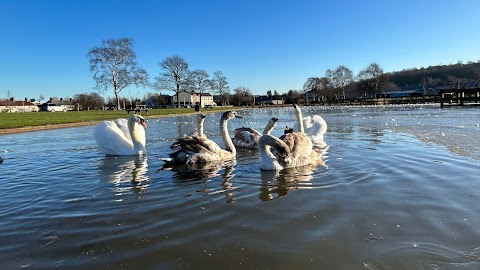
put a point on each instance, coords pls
(188, 100)
(17, 106)
(159, 101)
(267, 100)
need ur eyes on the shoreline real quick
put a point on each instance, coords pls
(81, 124)
(46, 127)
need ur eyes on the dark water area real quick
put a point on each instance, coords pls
(400, 189)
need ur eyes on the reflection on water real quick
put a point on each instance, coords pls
(201, 173)
(276, 184)
(124, 171)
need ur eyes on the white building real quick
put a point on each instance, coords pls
(189, 100)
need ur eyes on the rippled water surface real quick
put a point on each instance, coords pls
(400, 189)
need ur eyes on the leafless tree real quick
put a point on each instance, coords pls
(174, 76)
(341, 78)
(219, 85)
(242, 96)
(114, 65)
(370, 79)
(89, 100)
(198, 82)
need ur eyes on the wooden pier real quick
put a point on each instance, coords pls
(460, 97)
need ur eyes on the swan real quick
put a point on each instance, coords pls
(248, 138)
(294, 150)
(314, 127)
(122, 137)
(195, 149)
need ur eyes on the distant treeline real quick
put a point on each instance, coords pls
(434, 76)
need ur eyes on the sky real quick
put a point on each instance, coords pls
(258, 44)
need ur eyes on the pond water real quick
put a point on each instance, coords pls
(400, 189)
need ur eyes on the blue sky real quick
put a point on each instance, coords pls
(261, 45)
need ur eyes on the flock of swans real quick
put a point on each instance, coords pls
(299, 146)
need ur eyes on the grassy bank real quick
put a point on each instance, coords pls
(35, 119)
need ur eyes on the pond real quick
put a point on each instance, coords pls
(400, 189)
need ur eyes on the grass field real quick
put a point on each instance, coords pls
(33, 119)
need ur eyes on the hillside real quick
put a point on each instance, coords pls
(435, 76)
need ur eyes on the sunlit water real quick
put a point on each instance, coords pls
(400, 189)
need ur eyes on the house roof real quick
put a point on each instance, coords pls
(15, 103)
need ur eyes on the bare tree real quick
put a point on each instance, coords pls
(219, 84)
(198, 82)
(318, 87)
(114, 65)
(242, 96)
(341, 79)
(371, 78)
(91, 100)
(174, 76)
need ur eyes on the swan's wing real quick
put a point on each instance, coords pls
(111, 139)
(246, 137)
(316, 126)
(195, 144)
(298, 143)
(192, 149)
(122, 124)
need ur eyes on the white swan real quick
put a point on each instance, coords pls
(195, 149)
(122, 137)
(314, 127)
(248, 137)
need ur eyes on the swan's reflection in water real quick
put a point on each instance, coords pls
(125, 172)
(204, 174)
(276, 184)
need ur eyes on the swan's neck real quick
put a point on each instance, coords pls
(227, 141)
(298, 114)
(200, 128)
(269, 161)
(136, 135)
(268, 128)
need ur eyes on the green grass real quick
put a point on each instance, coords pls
(32, 119)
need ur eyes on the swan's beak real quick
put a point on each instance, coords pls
(142, 122)
(238, 116)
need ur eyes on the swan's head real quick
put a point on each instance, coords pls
(230, 115)
(136, 118)
(274, 120)
(287, 130)
(200, 118)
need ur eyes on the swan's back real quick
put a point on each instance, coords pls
(112, 139)
(246, 137)
(196, 149)
(301, 150)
